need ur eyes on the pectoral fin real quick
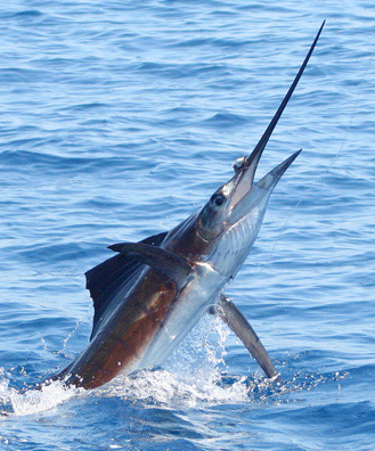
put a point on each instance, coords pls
(230, 314)
(170, 264)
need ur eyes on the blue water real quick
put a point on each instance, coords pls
(118, 119)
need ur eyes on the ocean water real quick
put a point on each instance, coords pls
(118, 120)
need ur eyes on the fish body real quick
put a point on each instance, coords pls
(150, 295)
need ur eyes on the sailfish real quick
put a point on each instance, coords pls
(150, 295)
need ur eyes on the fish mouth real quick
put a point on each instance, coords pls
(260, 192)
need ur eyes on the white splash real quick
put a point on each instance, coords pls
(33, 401)
(195, 374)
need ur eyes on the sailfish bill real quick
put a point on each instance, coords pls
(150, 295)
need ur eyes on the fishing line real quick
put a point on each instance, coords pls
(328, 167)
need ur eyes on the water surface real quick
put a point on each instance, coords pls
(117, 121)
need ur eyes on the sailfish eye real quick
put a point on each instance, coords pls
(218, 200)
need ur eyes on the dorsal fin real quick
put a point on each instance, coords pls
(169, 263)
(109, 280)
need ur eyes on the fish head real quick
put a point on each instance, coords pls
(231, 219)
